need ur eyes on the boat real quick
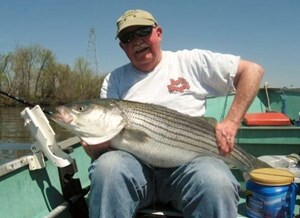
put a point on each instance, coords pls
(39, 184)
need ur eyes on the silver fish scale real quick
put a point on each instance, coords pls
(171, 128)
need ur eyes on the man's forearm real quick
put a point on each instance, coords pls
(247, 85)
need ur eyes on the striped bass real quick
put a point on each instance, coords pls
(155, 134)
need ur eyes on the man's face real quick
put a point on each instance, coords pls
(144, 52)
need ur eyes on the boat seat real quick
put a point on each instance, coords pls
(158, 210)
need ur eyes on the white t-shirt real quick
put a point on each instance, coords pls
(181, 81)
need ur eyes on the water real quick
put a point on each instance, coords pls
(15, 139)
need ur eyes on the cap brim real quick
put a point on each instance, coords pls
(135, 22)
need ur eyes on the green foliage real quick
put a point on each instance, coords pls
(32, 73)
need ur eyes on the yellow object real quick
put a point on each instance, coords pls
(272, 177)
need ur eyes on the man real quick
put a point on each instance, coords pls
(205, 187)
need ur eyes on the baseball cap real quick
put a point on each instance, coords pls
(135, 18)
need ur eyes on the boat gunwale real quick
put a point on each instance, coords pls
(20, 162)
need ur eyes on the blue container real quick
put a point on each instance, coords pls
(266, 200)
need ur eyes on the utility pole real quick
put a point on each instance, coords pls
(91, 57)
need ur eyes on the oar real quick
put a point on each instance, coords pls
(23, 101)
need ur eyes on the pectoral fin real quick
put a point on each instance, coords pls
(133, 135)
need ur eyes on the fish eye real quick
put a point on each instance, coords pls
(81, 108)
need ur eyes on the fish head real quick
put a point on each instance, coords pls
(94, 121)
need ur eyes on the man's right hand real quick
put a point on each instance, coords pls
(94, 151)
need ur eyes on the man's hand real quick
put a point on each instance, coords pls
(246, 82)
(225, 135)
(94, 151)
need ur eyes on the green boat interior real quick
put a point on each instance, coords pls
(36, 184)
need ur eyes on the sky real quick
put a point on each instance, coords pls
(264, 31)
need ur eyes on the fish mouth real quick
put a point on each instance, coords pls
(62, 116)
(59, 118)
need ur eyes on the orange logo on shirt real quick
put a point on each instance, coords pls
(178, 85)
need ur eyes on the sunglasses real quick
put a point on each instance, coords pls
(141, 32)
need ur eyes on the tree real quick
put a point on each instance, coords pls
(5, 72)
(88, 82)
(32, 73)
(23, 64)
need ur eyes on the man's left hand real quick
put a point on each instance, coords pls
(225, 136)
